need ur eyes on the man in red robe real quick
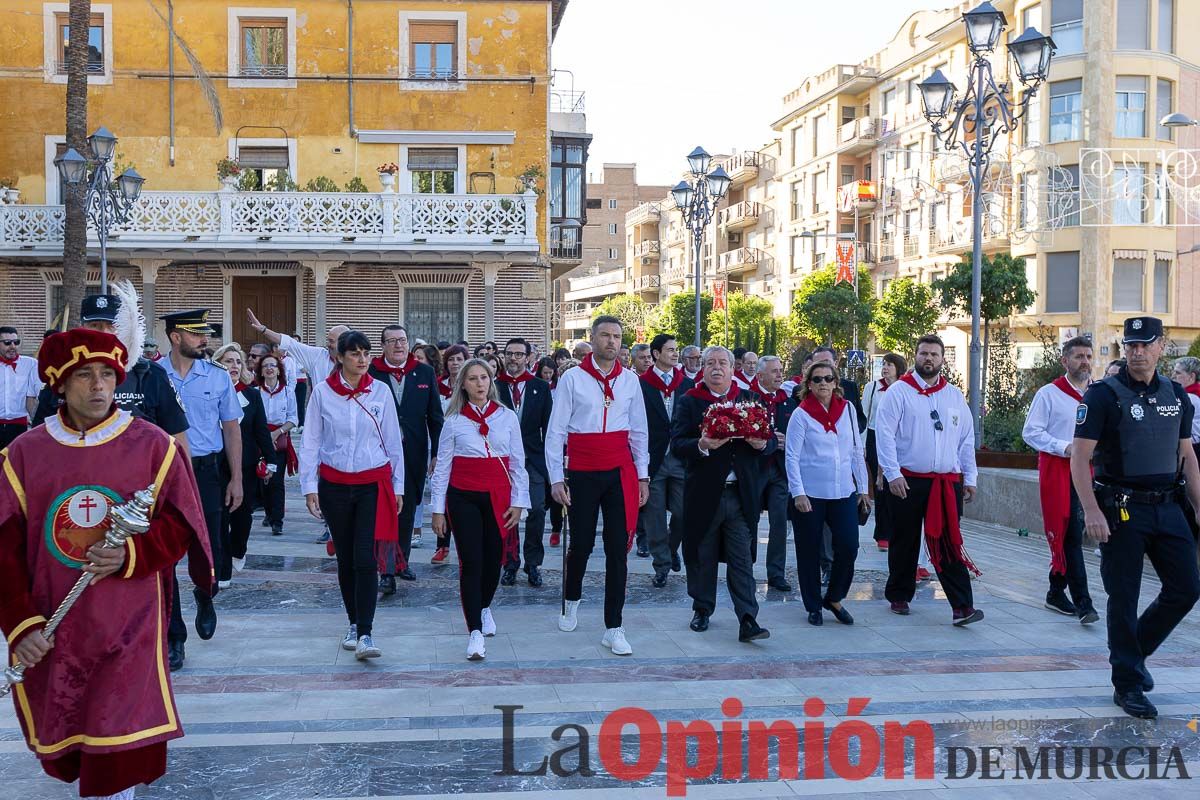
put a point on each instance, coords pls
(96, 703)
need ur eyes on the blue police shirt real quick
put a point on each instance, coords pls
(208, 399)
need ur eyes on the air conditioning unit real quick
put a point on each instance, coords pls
(735, 238)
(645, 260)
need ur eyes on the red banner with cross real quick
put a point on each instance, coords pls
(845, 263)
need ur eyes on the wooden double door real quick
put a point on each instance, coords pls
(273, 300)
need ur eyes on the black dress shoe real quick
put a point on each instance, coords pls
(840, 614)
(779, 585)
(676, 564)
(660, 579)
(535, 577)
(509, 576)
(699, 622)
(1058, 602)
(643, 551)
(277, 529)
(815, 618)
(1147, 681)
(266, 523)
(175, 656)
(406, 574)
(1135, 704)
(751, 630)
(387, 584)
(206, 615)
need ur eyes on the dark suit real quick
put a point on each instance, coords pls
(776, 497)
(719, 518)
(256, 444)
(420, 412)
(666, 478)
(854, 398)
(534, 415)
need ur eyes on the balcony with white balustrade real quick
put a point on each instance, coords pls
(598, 286)
(381, 227)
(739, 216)
(643, 214)
(744, 167)
(743, 259)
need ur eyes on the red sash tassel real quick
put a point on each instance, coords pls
(597, 452)
(1054, 481)
(943, 535)
(387, 530)
(490, 475)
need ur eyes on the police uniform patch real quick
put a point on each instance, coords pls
(76, 520)
(1137, 412)
(1081, 414)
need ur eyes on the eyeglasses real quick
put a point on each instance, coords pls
(822, 379)
(11, 342)
(394, 341)
(937, 422)
(514, 354)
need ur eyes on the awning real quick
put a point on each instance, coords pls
(436, 137)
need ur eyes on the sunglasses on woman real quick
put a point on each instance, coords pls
(822, 379)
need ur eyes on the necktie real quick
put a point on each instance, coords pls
(516, 395)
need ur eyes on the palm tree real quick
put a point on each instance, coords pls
(75, 227)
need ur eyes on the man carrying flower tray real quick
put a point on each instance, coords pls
(724, 440)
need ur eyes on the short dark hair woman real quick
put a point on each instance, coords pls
(894, 366)
(826, 471)
(452, 361)
(481, 484)
(279, 402)
(352, 475)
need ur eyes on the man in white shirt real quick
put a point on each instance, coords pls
(1050, 429)
(926, 444)
(599, 421)
(318, 362)
(19, 387)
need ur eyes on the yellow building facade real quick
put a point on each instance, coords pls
(455, 95)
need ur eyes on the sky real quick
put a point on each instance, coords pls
(662, 76)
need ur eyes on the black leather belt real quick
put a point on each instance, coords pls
(210, 460)
(1151, 497)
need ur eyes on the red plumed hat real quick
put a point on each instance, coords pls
(63, 353)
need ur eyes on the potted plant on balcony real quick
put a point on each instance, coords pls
(387, 175)
(529, 178)
(228, 172)
(9, 191)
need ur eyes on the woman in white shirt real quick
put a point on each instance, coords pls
(825, 469)
(481, 484)
(893, 367)
(352, 476)
(279, 401)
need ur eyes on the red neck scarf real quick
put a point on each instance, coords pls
(605, 381)
(652, 377)
(396, 372)
(942, 383)
(239, 387)
(470, 412)
(772, 399)
(338, 385)
(1190, 389)
(12, 363)
(515, 384)
(444, 386)
(704, 393)
(279, 387)
(883, 385)
(828, 417)
(1062, 383)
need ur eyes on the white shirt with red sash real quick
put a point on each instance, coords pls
(824, 452)
(1050, 426)
(579, 408)
(18, 382)
(907, 435)
(351, 433)
(461, 438)
(316, 361)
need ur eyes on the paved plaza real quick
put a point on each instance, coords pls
(274, 709)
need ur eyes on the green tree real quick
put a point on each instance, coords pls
(828, 312)
(631, 309)
(905, 313)
(1194, 348)
(750, 324)
(677, 316)
(1004, 289)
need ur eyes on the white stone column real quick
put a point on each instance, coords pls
(491, 270)
(150, 268)
(320, 271)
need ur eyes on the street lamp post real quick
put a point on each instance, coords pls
(974, 123)
(697, 202)
(108, 202)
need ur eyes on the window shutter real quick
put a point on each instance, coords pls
(1062, 282)
(429, 158)
(433, 32)
(1127, 284)
(1162, 285)
(263, 157)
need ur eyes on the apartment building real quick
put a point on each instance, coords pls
(455, 94)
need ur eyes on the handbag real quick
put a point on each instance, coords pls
(864, 512)
(282, 443)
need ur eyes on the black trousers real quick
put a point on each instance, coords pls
(212, 476)
(535, 523)
(480, 548)
(840, 517)
(9, 432)
(350, 513)
(556, 515)
(1076, 576)
(273, 491)
(908, 515)
(301, 400)
(778, 502)
(235, 526)
(591, 494)
(883, 497)
(1159, 532)
(727, 539)
(408, 514)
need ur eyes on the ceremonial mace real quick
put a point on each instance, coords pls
(128, 519)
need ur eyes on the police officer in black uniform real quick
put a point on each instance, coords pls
(146, 392)
(1138, 424)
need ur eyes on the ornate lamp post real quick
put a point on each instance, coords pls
(986, 111)
(697, 202)
(108, 202)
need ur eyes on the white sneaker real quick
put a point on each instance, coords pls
(614, 639)
(239, 564)
(366, 649)
(475, 647)
(569, 621)
(489, 623)
(416, 539)
(224, 584)
(350, 640)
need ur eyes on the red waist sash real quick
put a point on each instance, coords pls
(598, 452)
(293, 462)
(943, 535)
(15, 421)
(386, 512)
(1054, 482)
(490, 475)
